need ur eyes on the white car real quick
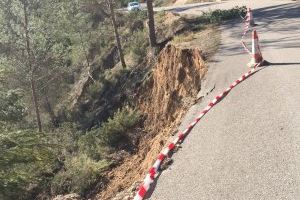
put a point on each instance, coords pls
(133, 6)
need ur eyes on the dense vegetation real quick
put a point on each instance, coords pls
(43, 45)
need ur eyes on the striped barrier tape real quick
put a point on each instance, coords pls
(153, 171)
(245, 47)
(246, 30)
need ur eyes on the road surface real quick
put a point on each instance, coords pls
(247, 146)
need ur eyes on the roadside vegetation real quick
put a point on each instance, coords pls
(218, 16)
(204, 30)
(58, 153)
(51, 51)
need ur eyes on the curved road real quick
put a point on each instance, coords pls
(247, 146)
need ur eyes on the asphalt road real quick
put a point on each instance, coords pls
(247, 146)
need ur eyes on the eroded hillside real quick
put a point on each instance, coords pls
(172, 87)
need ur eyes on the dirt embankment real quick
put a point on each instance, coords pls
(175, 81)
(169, 91)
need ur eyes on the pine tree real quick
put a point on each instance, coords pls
(110, 5)
(151, 23)
(32, 48)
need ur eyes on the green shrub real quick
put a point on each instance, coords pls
(113, 76)
(92, 145)
(106, 81)
(138, 45)
(25, 159)
(113, 132)
(98, 142)
(217, 16)
(81, 174)
(12, 107)
(137, 15)
(96, 89)
(65, 138)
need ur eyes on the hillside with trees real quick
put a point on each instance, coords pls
(44, 47)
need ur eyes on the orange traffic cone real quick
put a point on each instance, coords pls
(250, 17)
(256, 53)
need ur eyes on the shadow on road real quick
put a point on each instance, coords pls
(283, 64)
(279, 12)
(267, 19)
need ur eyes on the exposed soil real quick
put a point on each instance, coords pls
(164, 99)
(176, 77)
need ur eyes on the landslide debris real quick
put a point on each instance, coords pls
(176, 78)
(163, 99)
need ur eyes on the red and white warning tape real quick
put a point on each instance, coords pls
(246, 24)
(245, 47)
(246, 30)
(181, 135)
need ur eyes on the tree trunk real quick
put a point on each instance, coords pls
(48, 108)
(31, 68)
(117, 36)
(35, 103)
(152, 36)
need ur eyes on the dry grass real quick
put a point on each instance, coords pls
(199, 1)
(163, 2)
(185, 37)
(207, 39)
